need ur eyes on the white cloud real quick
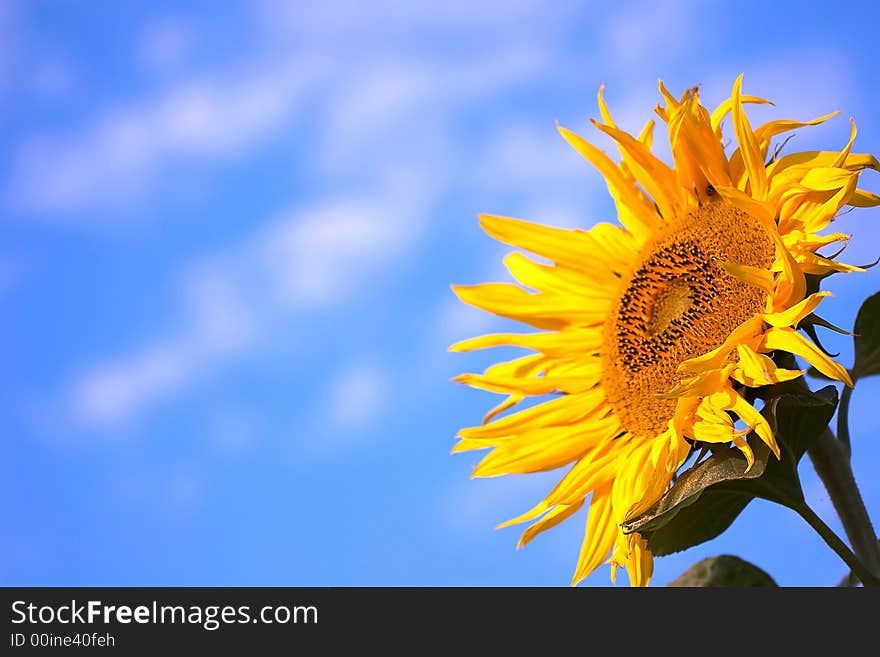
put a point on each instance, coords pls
(385, 99)
(307, 259)
(122, 151)
(110, 393)
(355, 400)
(354, 22)
(317, 256)
(378, 112)
(405, 109)
(522, 154)
(643, 32)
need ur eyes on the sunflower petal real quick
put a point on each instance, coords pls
(546, 449)
(754, 369)
(726, 106)
(748, 145)
(789, 340)
(550, 520)
(632, 209)
(565, 247)
(655, 176)
(598, 537)
(792, 316)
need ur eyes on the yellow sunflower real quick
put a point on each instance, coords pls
(652, 330)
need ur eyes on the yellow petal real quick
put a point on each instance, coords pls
(646, 136)
(562, 411)
(595, 469)
(793, 316)
(846, 150)
(791, 286)
(760, 278)
(702, 384)
(809, 159)
(815, 216)
(811, 263)
(716, 358)
(862, 198)
(768, 130)
(632, 209)
(547, 449)
(748, 145)
(640, 565)
(697, 151)
(824, 179)
(553, 279)
(574, 249)
(671, 101)
(754, 369)
(744, 447)
(510, 402)
(615, 240)
(707, 431)
(652, 174)
(550, 520)
(545, 311)
(787, 339)
(731, 400)
(725, 107)
(543, 385)
(555, 343)
(535, 512)
(760, 210)
(599, 536)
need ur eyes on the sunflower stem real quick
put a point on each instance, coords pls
(843, 420)
(832, 465)
(835, 543)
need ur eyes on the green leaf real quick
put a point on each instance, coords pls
(708, 497)
(726, 465)
(867, 339)
(801, 418)
(698, 522)
(723, 570)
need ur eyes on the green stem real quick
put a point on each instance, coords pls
(834, 542)
(843, 420)
(833, 468)
(848, 581)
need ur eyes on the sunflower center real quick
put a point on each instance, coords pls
(679, 303)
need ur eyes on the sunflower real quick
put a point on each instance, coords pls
(651, 331)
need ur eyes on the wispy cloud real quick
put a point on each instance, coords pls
(122, 151)
(522, 154)
(380, 20)
(646, 31)
(306, 259)
(126, 148)
(355, 400)
(10, 54)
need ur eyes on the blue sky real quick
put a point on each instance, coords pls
(228, 235)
